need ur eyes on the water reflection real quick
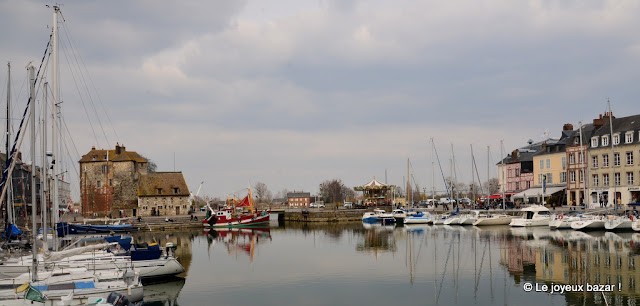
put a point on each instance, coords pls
(239, 241)
(437, 265)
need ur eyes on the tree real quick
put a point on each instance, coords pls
(151, 165)
(493, 186)
(262, 193)
(333, 191)
(474, 190)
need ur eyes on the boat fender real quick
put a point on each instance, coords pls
(560, 217)
(631, 218)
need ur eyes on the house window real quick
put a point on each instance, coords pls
(616, 179)
(563, 177)
(539, 179)
(111, 182)
(605, 140)
(616, 159)
(605, 179)
(549, 178)
(98, 184)
(541, 164)
(104, 168)
(581, 154)
(572, 176)
(616, 139)
(564, 162)
(594, 142)
(605, 160)
(628, 137)
(594, 161)
(517, 185)
(581, 174)
(517, 172)
(572, 158)
(595, 180)
(176, 190)
(629, 158)
(159, 190)
(576, 140)
(548, 163)
(630, 178)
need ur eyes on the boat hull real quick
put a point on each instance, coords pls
(493, 220)
(242, 221)
(64, 228)
(586, 225)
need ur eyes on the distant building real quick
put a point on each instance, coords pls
(109, 181)
(299, 199)
(162, 194)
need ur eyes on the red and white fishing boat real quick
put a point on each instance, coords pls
(229, 217)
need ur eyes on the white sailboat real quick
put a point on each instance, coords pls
(619, 223)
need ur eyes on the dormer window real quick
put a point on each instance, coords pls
(616, 139)
(176, 190)
(159, 190)
(605, 140)
(576, 141)
(594, 142)
(105, 157)
(628, 137)
(94, 157)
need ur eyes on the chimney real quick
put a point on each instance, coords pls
(514, 155)
(118, 149)
(567, 127)
(93, 148)
(597, 123)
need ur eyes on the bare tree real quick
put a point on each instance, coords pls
(333, 191)
(493, 186)
(282, 194)
(263, 195)
(151, 165)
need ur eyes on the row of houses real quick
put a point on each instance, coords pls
(592, 164)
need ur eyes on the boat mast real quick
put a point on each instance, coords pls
(488, 176)
(433, 175)
(8, 217)
(613, 166)
(504, 181)
(408, 185)
(34, 228)
(54, 129)
(44, 180)
(584, 166)
(473, 179)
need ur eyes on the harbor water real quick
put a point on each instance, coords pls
(362, 264)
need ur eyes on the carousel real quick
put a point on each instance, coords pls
(376, 193)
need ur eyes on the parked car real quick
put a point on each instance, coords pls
(316, 205)
(348, 205)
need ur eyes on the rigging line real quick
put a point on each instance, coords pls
(73, 76)
(446, 263)
(440, 166)
(10, 164)
(77, 56)
(66, 128)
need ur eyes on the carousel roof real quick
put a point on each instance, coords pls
(373, 184)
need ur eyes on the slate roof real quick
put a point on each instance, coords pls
(620, 125)
(150, 182)
(298, 194)
(98, 156)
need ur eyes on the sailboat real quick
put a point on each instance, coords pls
(229, 217)
(63, 290)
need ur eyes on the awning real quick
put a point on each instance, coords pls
(537, 191)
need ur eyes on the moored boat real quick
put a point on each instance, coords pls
(231, 218)
(492, 219)
(619, 223)
(563, 221)
(419, 218)
(534, 215)
(589, 223)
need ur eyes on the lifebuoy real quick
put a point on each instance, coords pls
(631, 217)
(560, 217)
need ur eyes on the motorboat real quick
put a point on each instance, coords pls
(589, 223)
(375, 216)
(618, 223)
(399, 215)
(419, 218)
(469, 218)
(534, 215)
(563, 221)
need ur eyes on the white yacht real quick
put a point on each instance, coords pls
(419, 218)
(589, 223)
(563, 221)
(619, 223)
(534, 215)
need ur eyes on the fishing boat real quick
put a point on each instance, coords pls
(563, 221)
(534, 215)
(230, 217)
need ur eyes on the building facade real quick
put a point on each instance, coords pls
(162, 194)
(298, 199)
(109, 181)
(614, 170)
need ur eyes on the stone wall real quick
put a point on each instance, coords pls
(163, 205)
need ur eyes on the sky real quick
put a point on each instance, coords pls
(293, 93)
